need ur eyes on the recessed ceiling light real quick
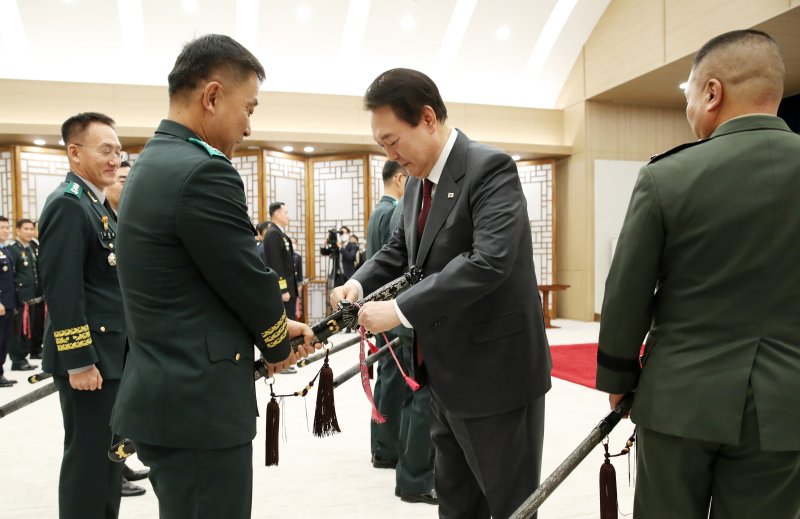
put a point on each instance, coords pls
(515, 157)
(684, 85)
(39, 142)
(251, 147)
(190, 6)
(503, 32)
(303, 13)
(61, 142)
(309, 149)
(407, 23)
(288, 149)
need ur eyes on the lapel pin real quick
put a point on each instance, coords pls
(450, 195)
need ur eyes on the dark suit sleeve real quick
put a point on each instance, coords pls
(628, 303)
(65, 241)
(14, 256)
(273, 257)
(212, 205)
(499, 219)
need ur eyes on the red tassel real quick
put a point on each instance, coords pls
(608, 489)
(325, 422)
(273, 426)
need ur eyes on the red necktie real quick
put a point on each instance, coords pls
(427, 187)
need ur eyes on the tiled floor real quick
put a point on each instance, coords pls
(330, 476)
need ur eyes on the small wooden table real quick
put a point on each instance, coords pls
(545, 290)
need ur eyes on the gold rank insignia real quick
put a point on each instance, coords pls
(105, 223)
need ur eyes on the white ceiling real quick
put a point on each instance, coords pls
(338, 47)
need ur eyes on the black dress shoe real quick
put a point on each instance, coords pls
(129, 489)
(134, 475)
(410, 497)
(23, 366)
(4, 382)
(382, 463)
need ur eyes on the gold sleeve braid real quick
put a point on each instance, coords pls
(276, 333)
(72, 338)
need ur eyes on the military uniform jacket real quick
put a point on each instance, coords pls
(197, 298)
(26, 271)
(708, 263)
(8, 295)
(476, 311)
(278, 255)
(85, 318)
(379, 228)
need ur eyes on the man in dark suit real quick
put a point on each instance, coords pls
(29, 322)
(711, 226)
(194, 311)
(278, 255)
(8, 299)
(85, 333)
(476, 315)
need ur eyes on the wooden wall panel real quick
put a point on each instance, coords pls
(689, 24)
(628, 41)
(574, 90)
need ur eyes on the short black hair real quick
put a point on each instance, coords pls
(390, 170)
(274, 206)
(343, 227)
(3, 218)
(77, 124)
(125, 164)
(261, 227)
(206, 55)
(406, 92)
(730, 38)
(23, 221)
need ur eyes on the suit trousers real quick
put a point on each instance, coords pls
(486, 466)
(201, 483)
(21, 345)
(684, 478)
(405, 437)
(90, 484)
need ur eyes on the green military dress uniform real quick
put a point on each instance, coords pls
(85, 325)
(198, 298)
(28, 321)
(707, 266)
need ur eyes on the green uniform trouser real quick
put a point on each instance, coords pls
(683, 478)
(405, 437)
(201, 483)
(90, 484)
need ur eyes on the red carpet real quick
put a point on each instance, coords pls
(575, 363)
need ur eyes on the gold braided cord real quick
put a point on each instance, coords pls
(276, 333)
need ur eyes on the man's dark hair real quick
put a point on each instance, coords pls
(3, 218)
(200, 59)
(23, 221)
(406, 92)
(262, 227)
(390, 169)
(125, 164)
(77, 124)
(343, 227)
(730, 38)
(274, 206)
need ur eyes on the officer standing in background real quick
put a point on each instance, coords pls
(279, 255)
(29, 321)
(85, 336)
(8, 299)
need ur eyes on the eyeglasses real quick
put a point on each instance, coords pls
(106, 151)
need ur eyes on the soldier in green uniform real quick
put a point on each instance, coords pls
(29, 320)
(84, 343)
(194, 311)
(711, 228)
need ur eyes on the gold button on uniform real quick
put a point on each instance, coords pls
(103, 329)
(238, 356)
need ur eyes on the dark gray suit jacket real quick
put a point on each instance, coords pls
(477, 312)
